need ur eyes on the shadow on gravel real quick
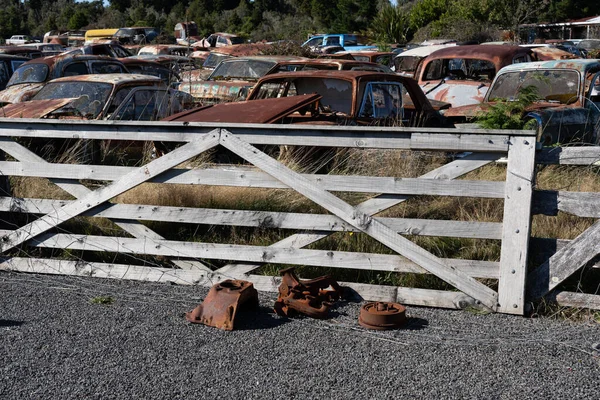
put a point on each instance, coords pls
(259, 318)
(5, 323)
(415, 324)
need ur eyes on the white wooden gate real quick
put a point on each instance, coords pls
(483, 147)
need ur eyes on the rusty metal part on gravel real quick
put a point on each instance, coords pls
(222, 304)
(382, 315)
(310, 297)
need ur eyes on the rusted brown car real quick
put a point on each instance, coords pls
(461, 75)
(31, 76)
(233, 78)
(327, 97)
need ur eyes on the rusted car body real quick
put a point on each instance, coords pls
(547, 53)
(47, 49)
(148, 67)
(461, 75)
(232, 79)
(8, 65)
(379, 57)
(332, 64)
(327, 98)
(164, 49)
(22, 51)
(407, 62)
(569, 92)
(177, 64)
(128, 97)
(31, 76)
(220, 39)
(112, 49)
(135, 35)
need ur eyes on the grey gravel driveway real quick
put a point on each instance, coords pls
(56, 344)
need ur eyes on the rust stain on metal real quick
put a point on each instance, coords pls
(222, 303)
(33, 109)
(311, 297)
(382, 315)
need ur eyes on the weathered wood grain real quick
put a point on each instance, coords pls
(564, 263)
(365, 223)
(516, 227)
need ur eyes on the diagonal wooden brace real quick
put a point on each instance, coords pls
(361, 221)
(97, 197)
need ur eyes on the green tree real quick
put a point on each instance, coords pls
(391, 25)
(78, 20)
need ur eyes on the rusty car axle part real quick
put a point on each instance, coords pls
(382, 315)
(309, 297)
(220, 306)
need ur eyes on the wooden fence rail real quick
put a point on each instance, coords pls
(43, 228)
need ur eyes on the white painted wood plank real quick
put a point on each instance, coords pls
(578, 300)
(564, 263)
(105, 270)
(435, 298)
(366, 224)
(588, 155)
(263, 219)
(219, 177)
(458, 142)
(367, 292)
(581, 204)
(101, 195)
(516, 230)
(245, 253)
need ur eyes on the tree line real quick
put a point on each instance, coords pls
(295, 19)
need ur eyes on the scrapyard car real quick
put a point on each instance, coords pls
(128, 97)
(329, 98)
(31, 76)
(232, 79)
(568, 109)
(461, 75)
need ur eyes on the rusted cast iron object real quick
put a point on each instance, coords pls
(381, 315)
(310, 297)
(222, 303)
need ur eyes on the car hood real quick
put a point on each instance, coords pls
(19, 93)
(33, 109)
(264, 111)
(456, 92)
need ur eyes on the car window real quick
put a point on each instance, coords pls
(221, 40)
(382, 100)
(433, 70)
(106, 68)
(594, 93)
(31, 73)
(91, 96)
(556, 86)
(78, 68)
(4, 74)
(332, 41)
(521, 59)
(246, 69)
(144, 105)
(315, 42)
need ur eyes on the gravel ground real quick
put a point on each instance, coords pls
(57, 344)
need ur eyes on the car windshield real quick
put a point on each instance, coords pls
(91, 96)
(236, 40)
(460, 69)
(214, 59)
(31, 73)
(559, 86)
(336, 93)
(244, 69)
(406, 63)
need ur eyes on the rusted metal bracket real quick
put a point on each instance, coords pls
(222, 303)
(310, 297)
(382, 315)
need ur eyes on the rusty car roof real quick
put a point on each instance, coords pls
(332, 74)
(498, 54)
(581, 65)
(241, 50)
(53, 60)
(108, 78)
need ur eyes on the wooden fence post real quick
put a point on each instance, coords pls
(520, 175)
